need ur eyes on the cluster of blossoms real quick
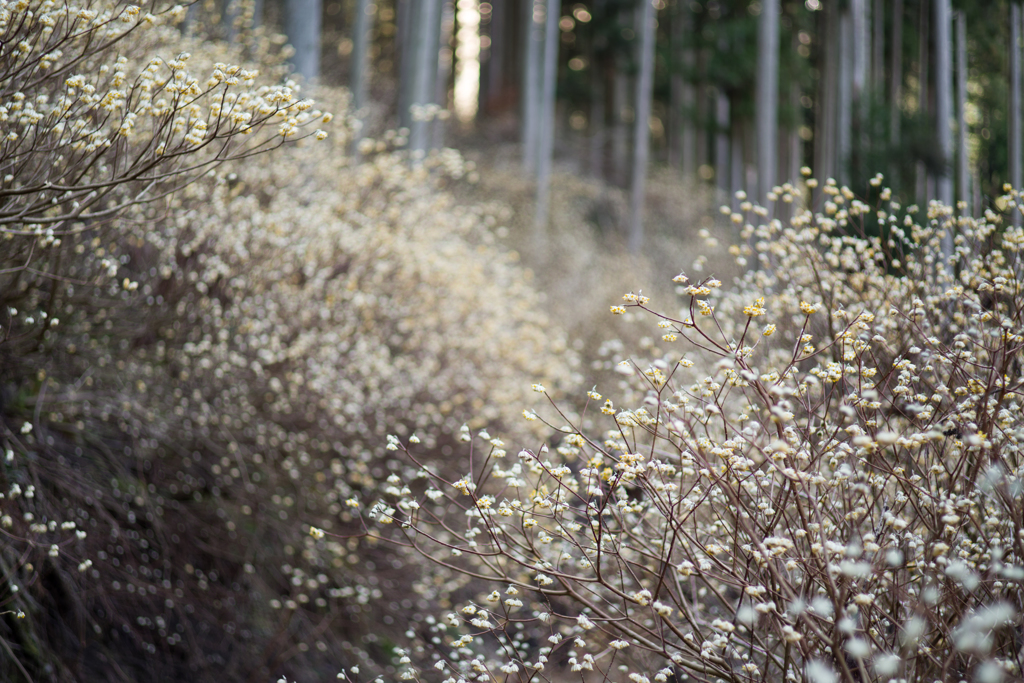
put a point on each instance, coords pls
(188, 340)
(102, 117)
(221, 348)
(96, 117)
(833, 494)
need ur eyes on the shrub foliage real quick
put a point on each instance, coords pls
(816, 476)
(198, 351)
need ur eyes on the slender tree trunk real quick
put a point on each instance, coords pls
(795, 144)
(683, 139)
(733, 165)
(749, 169)
(924, 57)
(642, 136)
(445, 64)
(496, 65)
(408, 12)
(896, 74)
(596, 116)
(861, 21)
(944, 110)
(826, 118)
(722, 131)
(924, 95)
(532, 85)
(361, 53)
(597, 122)
(675, 88)
(976, 200)
(620, 132)
(878, 48)
(1018, 120)
(861, 45)
(230, 18)
(963, 179)
(360, 63)
(425, 73)
(690, 115)
(1016, 171)
(844, 113)
(302, 26)
(547, 119)
(767, 96)
(702, 145)
(257, 14)
(188, 26)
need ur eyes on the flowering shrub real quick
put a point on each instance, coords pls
(96, 122)
(196, 350)
(816, 476)
(104, 117)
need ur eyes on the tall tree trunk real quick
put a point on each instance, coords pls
(795, 152)
(844, 113)
(896, 74)
(1016, 170)
(642, 133)
(620, 131)
(533, 50)
(861, 20)
(361, 53)
(360, 63)
(675, 88)
(722, 132)
(425, 72)
(683, 137)
(257, 14)
(408, 17)
(826, 115)
(302, 26)
(596, 75)
(749, 169)
(188, 26)
(878, 48)
(230, 18)
(944, 110)
(496, 64)
(547, 119)
(702, 145)
(691, 116)
(861, 45)
(962, 168)
(445, 63)
(733, 167)
(924, 57)
(924, 94)
(597, 122)
(767, 96)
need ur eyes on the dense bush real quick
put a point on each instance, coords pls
(198, 352)
(203, 358)
(822, 483)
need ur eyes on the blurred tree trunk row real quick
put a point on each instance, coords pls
(733, 92)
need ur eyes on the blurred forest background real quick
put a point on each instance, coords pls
(235, 346)
(734, 95)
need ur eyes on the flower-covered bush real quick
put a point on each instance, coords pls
(816, 476)
(200, 348)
